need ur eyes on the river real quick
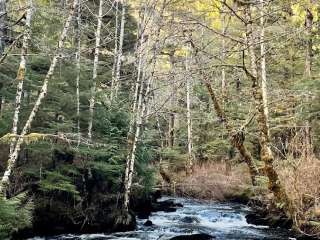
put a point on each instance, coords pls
(221, 220)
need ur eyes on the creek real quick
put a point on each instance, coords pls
(220, 220)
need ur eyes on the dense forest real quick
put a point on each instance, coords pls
(106, 103)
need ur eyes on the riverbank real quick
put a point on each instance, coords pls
(224, 183)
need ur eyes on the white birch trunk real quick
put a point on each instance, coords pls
(140, 104)
(2, 105)
(21, 72)
(137, 111)
(95, 68)
(78, 67)
(189, 121)
(138, 85)
(115, 51)
(43, 92)
(263, 62)
(223, 56)
(3, 25)
(132, 144)
(114, 92)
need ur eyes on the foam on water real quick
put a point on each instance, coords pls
(224, 221)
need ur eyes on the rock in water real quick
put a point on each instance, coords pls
(200, 236)
(190, 220)
(148, 223)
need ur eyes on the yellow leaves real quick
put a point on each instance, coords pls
(181, 52)
(210, 10)
(299, 12)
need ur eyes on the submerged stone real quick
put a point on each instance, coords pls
(148, 223)
(200, 236)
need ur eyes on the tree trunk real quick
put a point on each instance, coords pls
(308, 62)
(114, 91)
(172, 115)
(266, 153)
(43, 92)
(140, 107)
(78, 67)
(115, 50)
(3, 25)
(135, 122)
(236, 138)
(21, 74)
(95, 69)
(263, 61)
(139, 81)
(223, 56)
(2, 104)
(189, 162)
(133, 138)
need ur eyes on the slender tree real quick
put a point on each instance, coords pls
(3, 25)
(143, 83)
(115, 87)
(172, 114)
(5, 181)
(308, 24)
(95, 69)
(115, 50)
(78, 66)
(264, 136)
(136, 120)
(236, 137)
(21, 72)
(223, 53)
(263, 60)
(189, 162)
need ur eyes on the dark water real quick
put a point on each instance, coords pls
(224, 221)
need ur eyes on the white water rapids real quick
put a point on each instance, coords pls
(222, 220)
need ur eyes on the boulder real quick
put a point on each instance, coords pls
(148, 223)
(200, 236)
(166, 206)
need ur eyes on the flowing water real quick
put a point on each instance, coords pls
(221, 220)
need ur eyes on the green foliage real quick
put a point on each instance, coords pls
(15, 214)
(57, 182)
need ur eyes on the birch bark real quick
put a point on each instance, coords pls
(21, 72)
(264, 86)
(5, 181)
(95, 69)
(115, 50)
(78, 67)
(189, 162)
(141, 104)
(136, 120)
(3, 25)
(114, 92)
(223, 56)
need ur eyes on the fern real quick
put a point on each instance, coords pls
(55, 181)
(15, 214)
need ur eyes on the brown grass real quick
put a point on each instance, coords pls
(211, 181)
(300, 175)
(301, 179)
